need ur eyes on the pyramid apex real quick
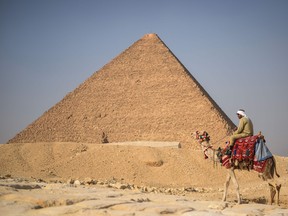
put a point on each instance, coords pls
(150, 35)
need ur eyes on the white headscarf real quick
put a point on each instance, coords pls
(241, 112)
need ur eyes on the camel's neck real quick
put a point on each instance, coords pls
(209, 151)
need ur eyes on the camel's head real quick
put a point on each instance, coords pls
(201, 137)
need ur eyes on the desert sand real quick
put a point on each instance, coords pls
(126, 179)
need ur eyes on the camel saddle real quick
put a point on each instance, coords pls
(244, 148)
(251, 150)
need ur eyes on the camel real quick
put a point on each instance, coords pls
(218, 155)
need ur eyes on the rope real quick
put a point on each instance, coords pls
(214, 161)
(220, 139)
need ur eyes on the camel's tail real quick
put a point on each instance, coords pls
(274, 161)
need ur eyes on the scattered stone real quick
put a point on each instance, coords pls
(7, 176)
(190, 189)
(24, 186)
(40, 180)
(155, 163)
(168, 211)
(89, 181)
(77, 182)
(70, 181)
(140, 200)
(218, 206)
(100, 183)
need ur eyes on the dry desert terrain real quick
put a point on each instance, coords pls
(131, 178)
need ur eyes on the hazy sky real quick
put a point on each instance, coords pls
(237, 50)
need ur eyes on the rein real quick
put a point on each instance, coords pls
(221, 139)
(213, 155)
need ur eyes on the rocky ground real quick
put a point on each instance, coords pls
(94, 179)
(20, 197)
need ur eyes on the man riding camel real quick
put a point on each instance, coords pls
(244, 129)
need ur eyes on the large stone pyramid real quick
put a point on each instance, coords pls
(145, 93)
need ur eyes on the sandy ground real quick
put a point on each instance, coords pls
(105, 179)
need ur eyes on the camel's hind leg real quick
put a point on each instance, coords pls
(273, 191)
(278, 187)
(268, 174)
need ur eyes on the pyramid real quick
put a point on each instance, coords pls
(143, 94)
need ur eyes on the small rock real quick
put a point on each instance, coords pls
(88, 181)
(218, 206)
(70, 181)
(77, 182)
(7, 176)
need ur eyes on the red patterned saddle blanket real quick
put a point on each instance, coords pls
(259, 165)
(244, 148)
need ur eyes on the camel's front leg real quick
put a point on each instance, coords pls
(233, 176)
(226, 185)
(272, 193)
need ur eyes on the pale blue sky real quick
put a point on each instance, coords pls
(237, 50)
